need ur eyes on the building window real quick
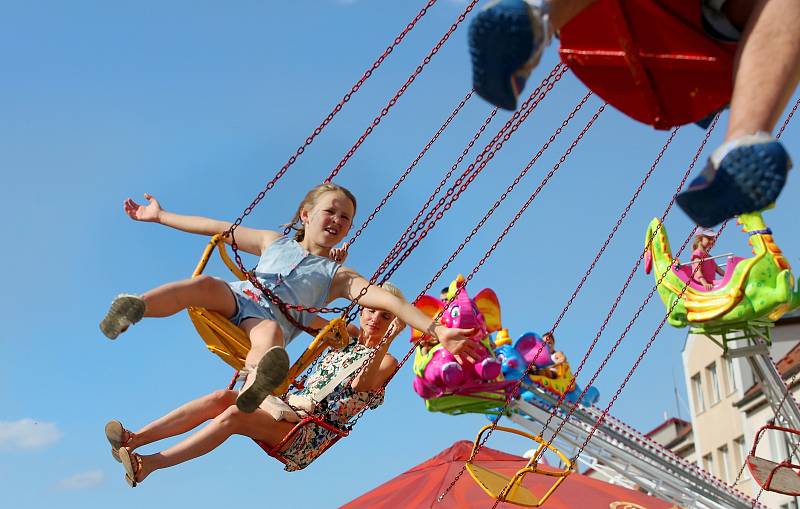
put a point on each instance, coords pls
(724, 463)
(708, 464)
(741, 455)
(697, 389)
(713, 382)
(732, 385)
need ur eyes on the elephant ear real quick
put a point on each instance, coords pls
(487, 303)
(429, 305)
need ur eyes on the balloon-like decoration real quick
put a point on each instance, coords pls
(549, 368)
(437, 371)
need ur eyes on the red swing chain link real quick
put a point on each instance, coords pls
(652, 340)
(433, 217)
(597, 337)
(511, 187)
(402, 243)
(494, 246)
(408, 170)
(401, 91)
(791, 381)
(489, 151)
(284, 307)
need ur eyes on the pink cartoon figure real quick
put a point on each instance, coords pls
(438, 371)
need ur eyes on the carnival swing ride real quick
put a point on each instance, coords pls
(524, 379)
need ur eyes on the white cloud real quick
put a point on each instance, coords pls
(83, 481)
(28, 434)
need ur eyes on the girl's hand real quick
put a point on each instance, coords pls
(708, 286)
(457, 342)
(339, 254)
(149, 213)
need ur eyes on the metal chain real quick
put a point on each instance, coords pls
(514, 389)
(613, 308)
(491, 148)
(336, 109)
(428, 286)
(614, 230)
(402, 243)
(408, 170)
(508, 190)
(633, 271)
(401, 91)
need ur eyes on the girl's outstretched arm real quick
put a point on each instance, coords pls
(249, 240)
(349, 284)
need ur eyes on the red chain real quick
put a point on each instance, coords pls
(489, 152)
(310, 139)
(788, 118)
(597, 337)
(634, 270)
(402, 243)
(401, 91)
(522, 114)
(409, 169)
(511, 187)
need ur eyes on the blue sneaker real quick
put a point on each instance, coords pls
(506, 40)
(744, 175)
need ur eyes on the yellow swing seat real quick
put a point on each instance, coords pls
(510, 489)
(231, 344)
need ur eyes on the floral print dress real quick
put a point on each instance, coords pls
(337, 408)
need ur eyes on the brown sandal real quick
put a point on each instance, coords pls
(132, 463)
(115, 434)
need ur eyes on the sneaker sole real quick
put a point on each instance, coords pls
(124, 312)
(749, 179)
(271, 372)
(501, 41)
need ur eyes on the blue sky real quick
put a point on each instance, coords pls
(199, 103)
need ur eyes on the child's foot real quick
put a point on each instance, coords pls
(744, 175)
(117, 436)
(124, 312)
(506, 40)
(271, 372)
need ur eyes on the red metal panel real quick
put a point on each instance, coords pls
(650, 59)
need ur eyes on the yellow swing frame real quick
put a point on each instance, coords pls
(510, 489)
(231, 344)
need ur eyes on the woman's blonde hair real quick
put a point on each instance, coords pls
(697, 240)
(308, 203)
(394, 290)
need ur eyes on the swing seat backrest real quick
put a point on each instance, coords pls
(783, 477)
(650, 59)
(231, 344)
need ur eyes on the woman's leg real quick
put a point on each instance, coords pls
(258, 425)
(183, 418)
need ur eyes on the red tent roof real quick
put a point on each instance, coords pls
(419, 487)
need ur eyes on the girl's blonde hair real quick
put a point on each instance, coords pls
(697, 240)
(308, 203)
(394, 290)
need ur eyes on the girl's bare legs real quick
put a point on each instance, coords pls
(166, 300)
(267, 363)
(202, 291)
(228, 421)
